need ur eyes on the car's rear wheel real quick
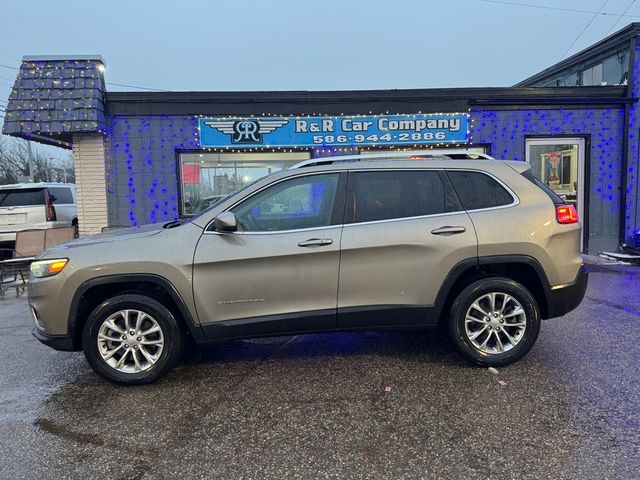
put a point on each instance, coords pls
(494, 321)
(131, 339)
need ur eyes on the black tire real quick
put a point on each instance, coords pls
(464, 301)
(171, 332)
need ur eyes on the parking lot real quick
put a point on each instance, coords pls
(350, 405)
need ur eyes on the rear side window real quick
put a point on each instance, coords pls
(555, 198)
(21, 197)
(478, 190)
(385, 195)
(61, 195)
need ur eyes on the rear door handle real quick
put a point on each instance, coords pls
(315, 242)
(448, 230)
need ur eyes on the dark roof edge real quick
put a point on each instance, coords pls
(63, 58)
(620, 36)
(353, 102)
(304, 96)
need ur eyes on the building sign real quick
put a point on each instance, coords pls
(379, 130)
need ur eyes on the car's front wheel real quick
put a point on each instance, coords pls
(494, 321)
(131, 339)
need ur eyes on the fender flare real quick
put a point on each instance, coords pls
(194, 329)
(476, 263)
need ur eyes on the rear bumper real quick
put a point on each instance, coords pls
(57, 342)
(561, 300)
(7, 236)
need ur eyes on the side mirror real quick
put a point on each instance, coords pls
(225, 222)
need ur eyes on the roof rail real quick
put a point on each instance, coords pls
(453, 154)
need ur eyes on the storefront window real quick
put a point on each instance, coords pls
(209, 177)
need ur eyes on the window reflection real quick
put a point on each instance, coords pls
(557, 167)
(209, 177)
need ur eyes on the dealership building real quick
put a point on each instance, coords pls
(147, 157)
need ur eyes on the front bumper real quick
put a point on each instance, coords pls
(561, 300)
(57, 342)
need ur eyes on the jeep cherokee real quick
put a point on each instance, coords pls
(397, 241)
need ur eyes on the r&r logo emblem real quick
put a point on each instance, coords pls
(247, 130)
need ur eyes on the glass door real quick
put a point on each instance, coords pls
(559, 163)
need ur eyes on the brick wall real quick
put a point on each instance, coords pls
(89, 157)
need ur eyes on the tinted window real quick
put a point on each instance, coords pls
(385, 195)
(62, 195)
(303, 202)
(21, 197)
(555, 198)
(478, 190)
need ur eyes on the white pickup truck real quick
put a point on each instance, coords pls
(36, 205)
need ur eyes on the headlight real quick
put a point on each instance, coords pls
(47, 268)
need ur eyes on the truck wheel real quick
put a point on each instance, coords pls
(494, 321)
(131, 339)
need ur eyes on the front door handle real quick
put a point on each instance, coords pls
(447, 230)
(315, 242)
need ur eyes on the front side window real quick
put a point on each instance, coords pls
(302, 202)
(477, 190)
(385, 195)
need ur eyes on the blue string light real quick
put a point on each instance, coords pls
(505, 132)
(145, 146)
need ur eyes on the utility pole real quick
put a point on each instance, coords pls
(30, 155)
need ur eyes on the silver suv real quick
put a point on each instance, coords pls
(414, 240)
(36, 205)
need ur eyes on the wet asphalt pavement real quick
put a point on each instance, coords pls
(316, 407)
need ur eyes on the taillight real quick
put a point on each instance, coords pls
(50, 209)
(566, 214)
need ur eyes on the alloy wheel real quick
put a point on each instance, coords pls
(130, 341)
(495, 323)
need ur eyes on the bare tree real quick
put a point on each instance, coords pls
(14, 163)
(67, 168)
(55, 169)
(43, 167)
(7, 174)
(18, 158)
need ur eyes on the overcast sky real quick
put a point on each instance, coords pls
(306, 45)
